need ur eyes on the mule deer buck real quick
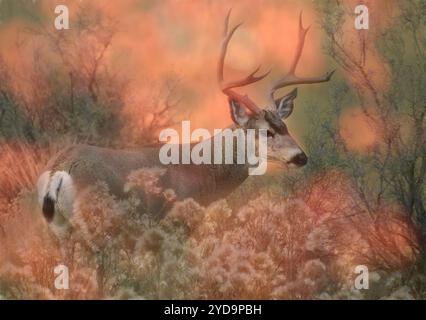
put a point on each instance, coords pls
(81, 166)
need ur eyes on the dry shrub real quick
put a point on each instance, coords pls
(250, 253)
(393, 240)
(28, 250)
(270, 248)
(29, 253)
(98, 218)
(348, 234)
(21, 164)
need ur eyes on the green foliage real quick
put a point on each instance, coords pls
(394, 169)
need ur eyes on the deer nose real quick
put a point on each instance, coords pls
(300, 159)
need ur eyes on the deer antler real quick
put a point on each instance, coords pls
(251, 78)
(290, 78)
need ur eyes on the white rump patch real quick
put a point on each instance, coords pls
(59, 187)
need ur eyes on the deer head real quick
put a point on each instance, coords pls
(281, 146)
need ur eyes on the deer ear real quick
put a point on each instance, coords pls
(285, 104)
(238, 113)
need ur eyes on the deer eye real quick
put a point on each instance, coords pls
(270, 134)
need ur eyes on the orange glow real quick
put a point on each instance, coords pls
(361, 45)
(357, 130)
(155, 42)
(393, 240)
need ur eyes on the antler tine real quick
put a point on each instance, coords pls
(225, 42)
(251, 78)
(290, 78)
(300, 44)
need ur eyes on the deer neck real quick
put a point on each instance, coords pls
(230, 175)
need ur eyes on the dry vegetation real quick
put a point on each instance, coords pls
(270, 248)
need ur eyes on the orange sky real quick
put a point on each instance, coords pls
(161, 40)
(357, 130)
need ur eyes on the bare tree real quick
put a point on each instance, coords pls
(396, 167)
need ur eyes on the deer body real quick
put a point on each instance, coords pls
(76, 168)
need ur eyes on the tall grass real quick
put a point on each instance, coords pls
(21, 164)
